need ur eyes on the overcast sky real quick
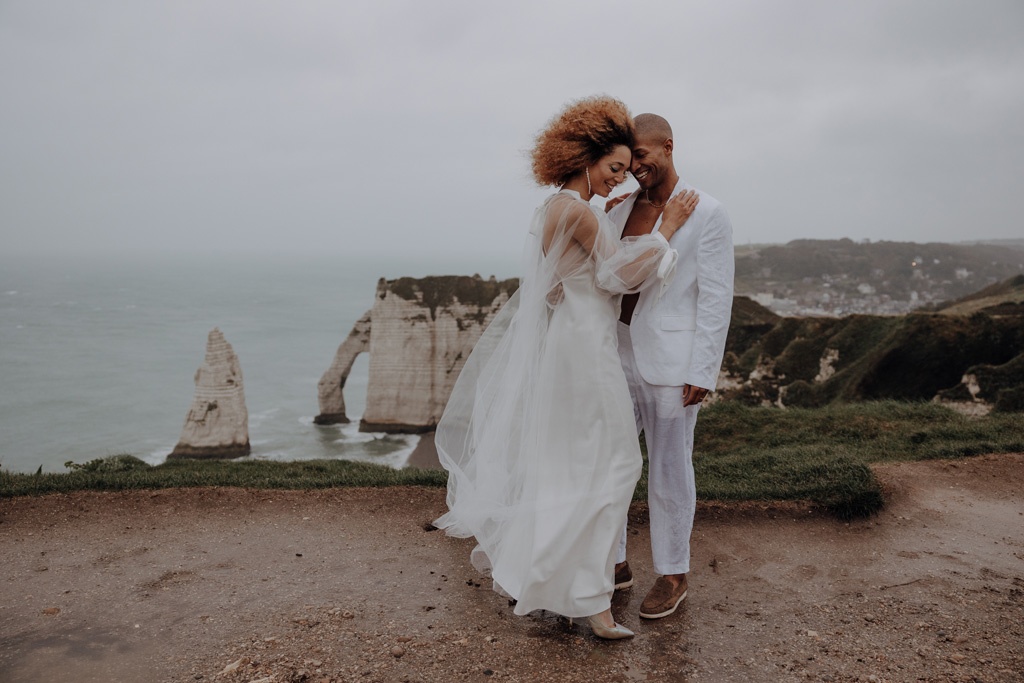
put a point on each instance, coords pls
(365, 128)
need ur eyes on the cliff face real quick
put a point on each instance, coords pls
(972, 363)
(419, 334)
(217, 424)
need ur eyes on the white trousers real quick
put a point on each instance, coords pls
(671, 491)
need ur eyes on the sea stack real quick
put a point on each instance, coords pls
(217, 424)
(419, 334)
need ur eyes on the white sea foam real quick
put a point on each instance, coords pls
(350, 434)
(157, 457)
(400, 458)
(256, 419)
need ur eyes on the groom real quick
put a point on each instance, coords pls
(671, 342)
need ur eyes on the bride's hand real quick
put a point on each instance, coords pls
(615, 201)
(677, 211)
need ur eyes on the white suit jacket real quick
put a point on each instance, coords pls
(678, 331)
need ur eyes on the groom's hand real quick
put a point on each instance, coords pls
(692, 395)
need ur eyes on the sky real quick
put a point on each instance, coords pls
(383, 129)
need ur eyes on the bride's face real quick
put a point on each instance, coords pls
(610, 171)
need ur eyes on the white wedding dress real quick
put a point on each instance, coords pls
(539, 437)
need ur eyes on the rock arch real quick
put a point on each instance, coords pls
(332, 385)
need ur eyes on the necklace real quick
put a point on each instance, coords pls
(651, 201)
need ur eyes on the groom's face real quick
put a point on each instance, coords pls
(652, 161)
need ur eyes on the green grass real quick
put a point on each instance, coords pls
(124, 472)
(822, 455)
(743, 453)
(864, 432)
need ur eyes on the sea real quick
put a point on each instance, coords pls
(98, 355)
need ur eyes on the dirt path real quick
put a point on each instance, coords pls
(346, 585)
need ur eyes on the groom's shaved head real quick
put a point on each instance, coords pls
(652, 127)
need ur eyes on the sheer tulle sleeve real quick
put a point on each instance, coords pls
(576, 231)
(630, 265)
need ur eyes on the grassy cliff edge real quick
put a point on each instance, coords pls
(818, 456)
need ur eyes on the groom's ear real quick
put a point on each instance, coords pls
(668, 145)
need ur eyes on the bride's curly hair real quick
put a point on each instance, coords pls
(582, 133)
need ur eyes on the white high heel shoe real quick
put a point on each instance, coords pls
(616, 632)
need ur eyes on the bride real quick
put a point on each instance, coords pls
(539, 437)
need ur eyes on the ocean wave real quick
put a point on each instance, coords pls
(157, 457)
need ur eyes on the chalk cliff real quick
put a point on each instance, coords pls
(419, 334)
(331, 387)
(217, 424)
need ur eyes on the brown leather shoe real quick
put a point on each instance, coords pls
(623, 577)
(663, 599)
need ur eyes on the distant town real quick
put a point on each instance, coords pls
(842, 277)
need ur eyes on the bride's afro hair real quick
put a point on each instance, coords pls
(577, 137)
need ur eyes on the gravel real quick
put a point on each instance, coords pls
(257, 586)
